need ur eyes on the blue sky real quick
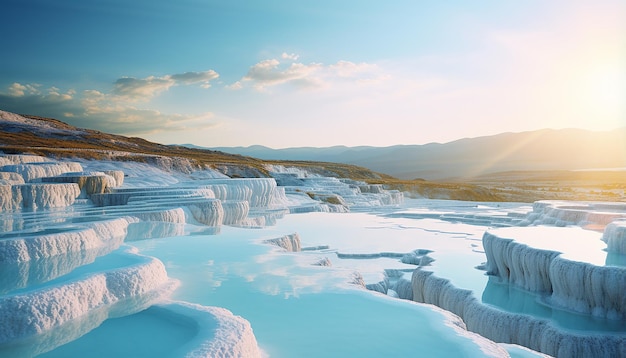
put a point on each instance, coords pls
(322, 73)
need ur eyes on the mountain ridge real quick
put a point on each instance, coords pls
(466, 158)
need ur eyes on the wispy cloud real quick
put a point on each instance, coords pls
(31, 99)
(54, 94)
(235, 86)
(19, 90)
(141, 88)
(189, 78)
(348, 69)
(130, 120)
(134, 89)
(275, 72)
(269, 73)
(123, 118)
(289, 56)
(32, 93)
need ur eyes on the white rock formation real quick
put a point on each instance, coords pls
(260, 190)
(562, 213)
(40, 196)
(506, 327)
(231, 192)
(123, 196)
(198, 202)
(35, 312)
(323, 262)
(235, 212)
(404, 289)
(175, 216)
(208, 212)
(18, 275)
(33, 171)
(117, 175)
(89, 182)
(37, 196)
(599, 291)
(10, 197)
(335, 195)
(290, 243)
(22, 159)
(567, 269)
(518, 264)
(9, 178)
(154, 230)
(220, 333)
(26, 247)
(571, 283)
(615, 236)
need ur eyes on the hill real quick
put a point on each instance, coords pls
(51, 137)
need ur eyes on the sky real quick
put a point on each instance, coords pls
(321, 73)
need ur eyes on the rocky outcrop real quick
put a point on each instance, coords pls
(500, 326)
(289, 242)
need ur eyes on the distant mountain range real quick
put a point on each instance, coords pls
(547, 149)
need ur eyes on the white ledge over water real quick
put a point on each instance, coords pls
(568, 264)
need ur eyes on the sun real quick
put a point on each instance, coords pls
(607, 84)
(604, 93)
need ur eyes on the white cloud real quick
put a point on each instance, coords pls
(348, 69)
(269, 73)
(360, 73)
(18, 89)
(189, 78)
(54, 94)
(235, 86)
(135, 89)
(119, 117)
(289, 56)
(274, 72)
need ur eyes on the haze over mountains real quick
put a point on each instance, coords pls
(464, 159)
(546, 149)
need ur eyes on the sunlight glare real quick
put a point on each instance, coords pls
(605, 92)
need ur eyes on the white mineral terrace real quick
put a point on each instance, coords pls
(615, 237)
(89, 293)
(70, 281)
(64, 273)
(563, 281)
(561, 213)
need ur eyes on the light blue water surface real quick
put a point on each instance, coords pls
(297, 309)
(291, 318)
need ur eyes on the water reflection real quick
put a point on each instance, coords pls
(512, 299)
